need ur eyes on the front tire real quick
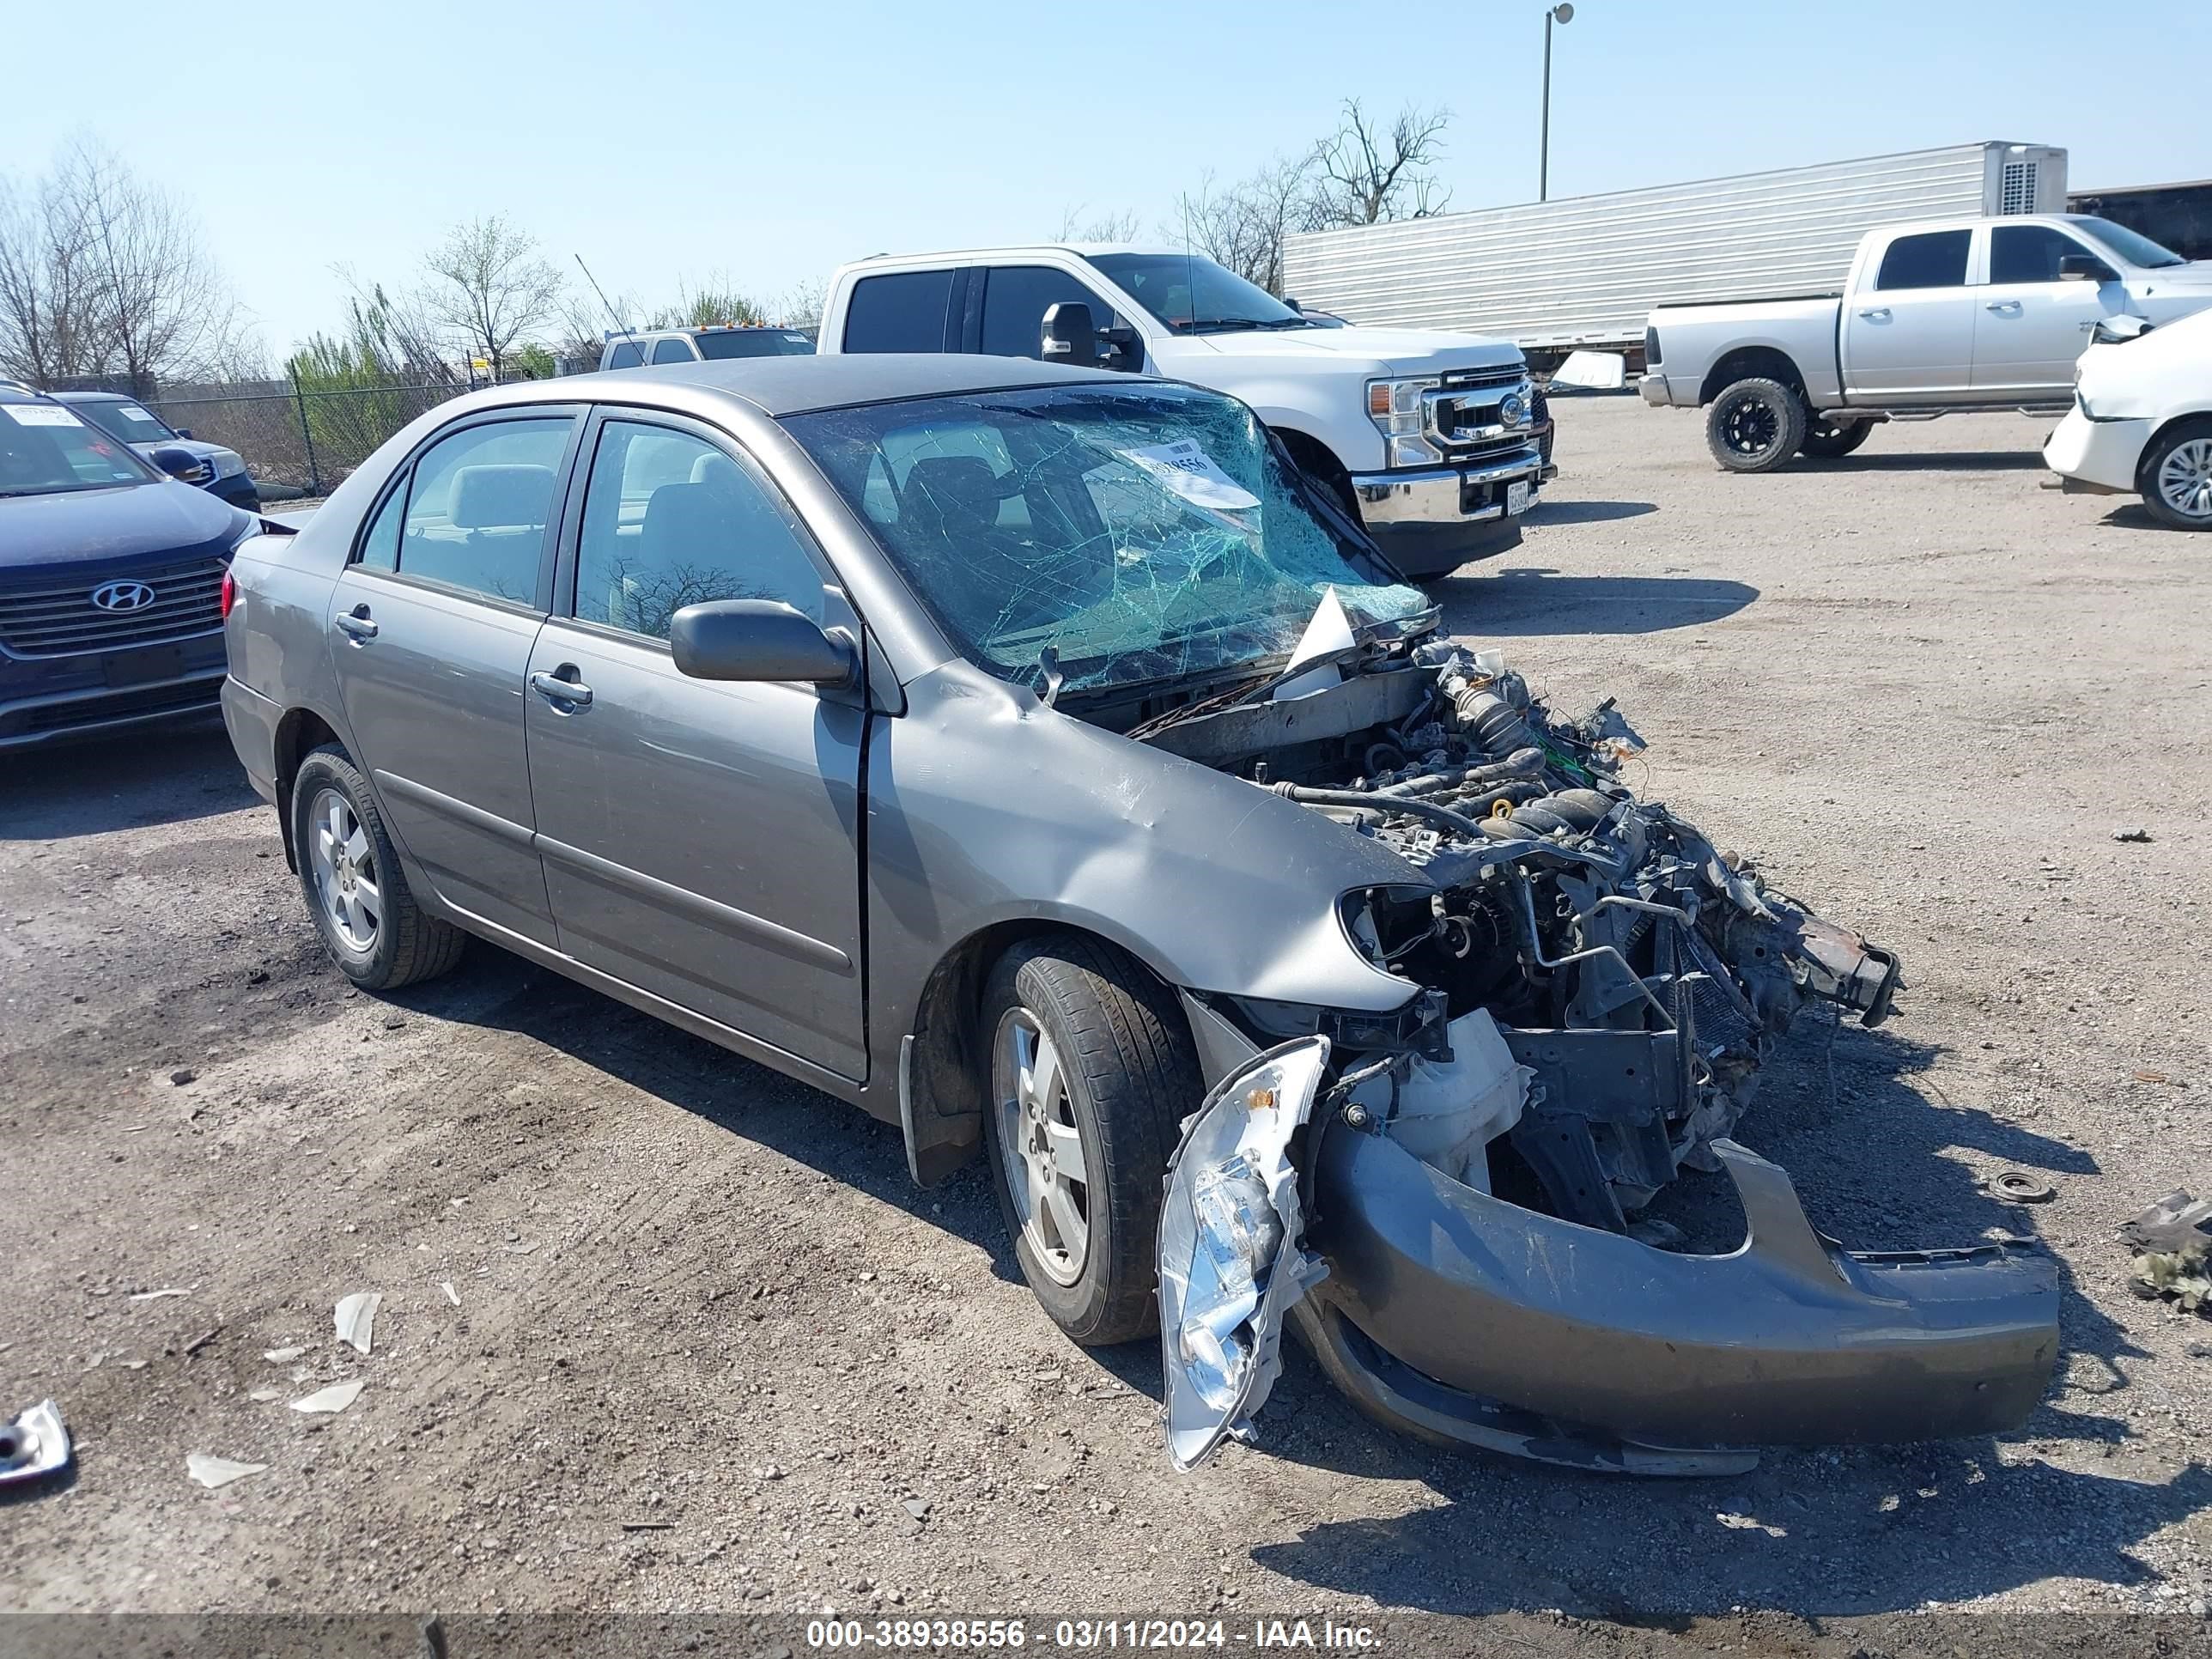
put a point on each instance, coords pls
(379, 938)
(1755, 426)
(2176, 478)
(1092, 1073)
(1827, 441)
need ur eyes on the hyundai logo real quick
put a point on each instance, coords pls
(122, 595)
(1511, 410)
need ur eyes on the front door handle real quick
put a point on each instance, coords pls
(560, 689)
(2001, 304)
(1878, 314)
(355, 622)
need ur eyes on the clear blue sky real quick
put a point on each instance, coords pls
(670, 141)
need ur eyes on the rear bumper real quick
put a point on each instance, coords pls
(2097, 457)
(1433, 520)
(251, 720)
(1463, 1318)
(1655, 391)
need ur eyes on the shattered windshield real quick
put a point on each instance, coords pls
(1143, 532)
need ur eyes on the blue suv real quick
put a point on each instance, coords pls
(113, 579)
(218, 470)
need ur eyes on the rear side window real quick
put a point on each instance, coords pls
(1015, 300)
(477, 509)
(903, 311)
(672, 351)
(626, 354)
(1935, 258)
(2028, 253)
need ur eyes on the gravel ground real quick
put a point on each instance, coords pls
(661, 1330)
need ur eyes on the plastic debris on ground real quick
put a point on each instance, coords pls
(36, 1444)
(212, 1472)
(356, 1319)
(452, 1295)
(283, 1356)
(332, 1400)
(2171, 1243)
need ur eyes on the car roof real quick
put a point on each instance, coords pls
(796, 386)
(92, 397)
(999, 255)
(15, 392)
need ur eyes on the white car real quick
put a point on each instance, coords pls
(2142, 420)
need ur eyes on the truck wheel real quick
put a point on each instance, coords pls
(2176, 477)
(1755, 426)
(379, 938)
(1825, 440)
(1091, 1071)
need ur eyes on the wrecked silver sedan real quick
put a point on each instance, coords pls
(1031, 758)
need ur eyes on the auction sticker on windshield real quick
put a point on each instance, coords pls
(1185, 467)
(40, 415)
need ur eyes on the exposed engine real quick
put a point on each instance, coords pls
(1639, 975)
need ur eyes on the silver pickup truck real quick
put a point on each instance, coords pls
(1935, 318)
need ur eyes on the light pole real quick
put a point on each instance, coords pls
(1565, 12)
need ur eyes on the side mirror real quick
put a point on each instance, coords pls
(179, 463)
(1070, 337)
(1125, 348)
(184, 432)
(2084, 268)
(759, 639)
(2119, 330)
(1294, 304)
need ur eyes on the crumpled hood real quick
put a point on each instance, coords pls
(1406, 351)
(91, 528)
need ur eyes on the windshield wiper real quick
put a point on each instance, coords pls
(1224, 324)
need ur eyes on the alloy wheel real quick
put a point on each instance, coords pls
(1040, 1146)
(1750, 426)
(344, 863)
(2184, 478)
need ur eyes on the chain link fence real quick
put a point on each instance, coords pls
(294, 438)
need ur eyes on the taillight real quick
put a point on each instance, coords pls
(230, 591)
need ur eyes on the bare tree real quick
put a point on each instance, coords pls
(1364, 176)
(1122, 227)
(100, 275)
(1242, 226)
(714, 301)
(489, 287)
(800, 306)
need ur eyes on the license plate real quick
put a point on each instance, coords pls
(1517, 497)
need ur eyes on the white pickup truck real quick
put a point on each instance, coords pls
(1436, 442)
(1935, 318)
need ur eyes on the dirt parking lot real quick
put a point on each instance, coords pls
(661, 1330)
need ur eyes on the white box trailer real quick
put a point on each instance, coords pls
(1584, 271)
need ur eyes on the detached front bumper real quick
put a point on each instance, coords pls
(1463, 1318)
(2096, 458)
(1432, 519)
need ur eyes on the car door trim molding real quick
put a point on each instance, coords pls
(506, 829)
(774, 936)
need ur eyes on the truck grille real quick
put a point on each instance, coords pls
(60, 620)
(1473, 378)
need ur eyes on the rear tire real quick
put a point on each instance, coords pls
(1827, 441)
(1755, 426)
(1124, 1076)
(2175, 476)
(350, 874)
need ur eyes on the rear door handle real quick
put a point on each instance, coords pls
(355, 622)
(2001, 304)
(1878, 314)
(559, 688)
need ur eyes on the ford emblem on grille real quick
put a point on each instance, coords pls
(122, 595)
(1511, 410)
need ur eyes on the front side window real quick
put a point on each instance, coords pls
(1935, 258)
(1144, 534)
(477, 507)
(2029, 253)
(900, 311)
(672, 351)
(45, 450)
(1015, 301)
(670, 520)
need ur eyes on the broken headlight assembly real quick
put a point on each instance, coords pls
(1232, 1260)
